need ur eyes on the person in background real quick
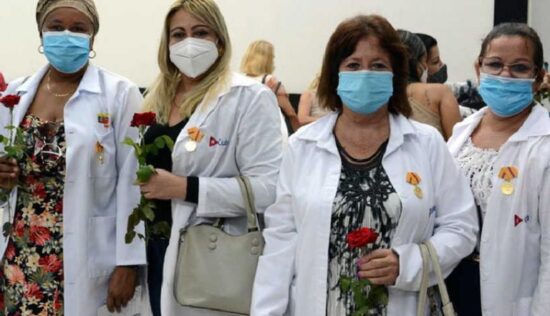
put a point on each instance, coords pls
(365, 166)
(432, 104)
(437, 70)
(309, 109)
(258, 63)
(504, 150)
(65, 252)
(224, 125)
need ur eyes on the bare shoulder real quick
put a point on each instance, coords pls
(440, 90)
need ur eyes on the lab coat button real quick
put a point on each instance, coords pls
(255, 251)
(212, 246)
(255, 242)
(213, 238)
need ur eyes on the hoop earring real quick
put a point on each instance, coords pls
(41, 49)
(92, 54)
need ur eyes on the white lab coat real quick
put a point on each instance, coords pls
(515, 259)
(244, 120)
(97, 197)
(292, 273)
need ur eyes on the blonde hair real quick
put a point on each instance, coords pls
(162, 92)
(258, 59)
(314, 84)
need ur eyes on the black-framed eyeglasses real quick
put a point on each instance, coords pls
(517, 70)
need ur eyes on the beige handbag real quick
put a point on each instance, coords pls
(215, 270)
(429, 255)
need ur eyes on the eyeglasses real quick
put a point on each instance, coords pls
(519, 70)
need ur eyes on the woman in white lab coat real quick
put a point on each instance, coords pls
(224, 125)
(366, 165)
(65, 252)
(504, 150)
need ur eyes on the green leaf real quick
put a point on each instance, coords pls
(128, 141)
(147, 212)
(159, 142)
(133, 220)
(361, 311)
(345, 283)
(152, 149)
(144, 173)
(162, 229)
(129, 237)
(378, 295)
(168, 141)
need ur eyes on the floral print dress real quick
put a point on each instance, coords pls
(31, 277)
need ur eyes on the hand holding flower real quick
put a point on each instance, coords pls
(164, 185)
(380, 267)
(9, 172)
(13, 149)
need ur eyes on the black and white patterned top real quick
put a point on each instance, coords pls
(365, 198)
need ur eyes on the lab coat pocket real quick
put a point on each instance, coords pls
(101, 245)
(522, 306)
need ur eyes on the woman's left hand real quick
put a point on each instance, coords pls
(122, 285)
(164, 185)
(381, 267)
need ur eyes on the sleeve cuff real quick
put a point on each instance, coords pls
(192, 190)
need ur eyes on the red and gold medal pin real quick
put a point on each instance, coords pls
(99, 150)
(195, 136)
(103, 118)
(508, 174)
(414, 179)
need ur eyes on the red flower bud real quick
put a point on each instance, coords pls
(143, 119)
(10, 100)
(361, 237)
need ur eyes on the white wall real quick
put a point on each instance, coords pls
(539, 14)
(299, 29)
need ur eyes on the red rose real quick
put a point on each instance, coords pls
(10, 100)
(361, 237)
(143, 119)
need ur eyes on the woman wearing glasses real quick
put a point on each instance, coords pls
(504, 149)
(65, 252)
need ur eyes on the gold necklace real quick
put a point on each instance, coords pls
(59, 95)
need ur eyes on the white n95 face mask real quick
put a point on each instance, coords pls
(194, 56)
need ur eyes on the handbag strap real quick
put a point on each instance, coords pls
(429, 255)
(248, 199)
(422, 296)
(448, 309)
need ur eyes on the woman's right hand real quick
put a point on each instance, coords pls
(9, 172)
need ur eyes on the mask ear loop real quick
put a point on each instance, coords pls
(92, 54)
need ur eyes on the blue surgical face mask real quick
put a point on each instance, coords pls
(506, 96)
(365, 92)
(66, 51)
